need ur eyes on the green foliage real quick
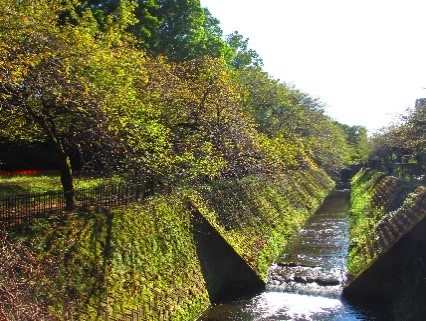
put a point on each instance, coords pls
(258, 216)
(180, 30)
(400, 149)
(29, 184)
(243, 56)
(78, 76)
(133, 257)
(368, 210)
(295, 121)
(150, 89)
(363, 221)
(328, 144)
(283, 153)
(144, 255)
(358, 140)
(46, 92)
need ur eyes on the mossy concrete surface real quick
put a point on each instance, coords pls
(388, 244)
(161, 259)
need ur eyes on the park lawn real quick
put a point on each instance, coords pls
(12, 185)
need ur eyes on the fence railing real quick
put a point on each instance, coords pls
(16, 210)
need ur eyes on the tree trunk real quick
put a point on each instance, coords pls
(67, 180)
(45, 120)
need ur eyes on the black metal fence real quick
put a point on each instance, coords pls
(16, 210)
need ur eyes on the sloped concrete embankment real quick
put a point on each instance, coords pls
(171, 257)
(388, 262)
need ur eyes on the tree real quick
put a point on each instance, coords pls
(44, 92)
(220, 113)
(293, 123)
(183, 30)
(179, 30)
(243, 56)
(327, 143)
(268, 101)
(359, 143)
(205, 113)
(401, 148)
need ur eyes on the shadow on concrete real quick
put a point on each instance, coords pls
(397, 277)
(227, 275)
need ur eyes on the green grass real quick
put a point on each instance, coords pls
(26, 184)
(145, 255)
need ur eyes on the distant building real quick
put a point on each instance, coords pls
(421, 102)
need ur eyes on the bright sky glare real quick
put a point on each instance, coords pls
(366, 59)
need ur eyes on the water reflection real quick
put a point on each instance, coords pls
(306, 283)
(274, 306)
(294, 306)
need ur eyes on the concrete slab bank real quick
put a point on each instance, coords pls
(388, 262)
(171, 257)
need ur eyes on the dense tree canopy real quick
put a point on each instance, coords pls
(152, 89)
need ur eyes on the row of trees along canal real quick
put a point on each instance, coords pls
(155, 91)
(400, 149)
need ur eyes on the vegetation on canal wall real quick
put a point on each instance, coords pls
(375, 197)
(388, 245)
(143, 257)
(256, 217)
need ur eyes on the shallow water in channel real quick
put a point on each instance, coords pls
(305, 284)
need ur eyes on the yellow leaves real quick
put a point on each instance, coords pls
(180, 121)
(282, 153)
(202, 161)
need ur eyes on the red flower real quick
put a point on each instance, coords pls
(27, 172)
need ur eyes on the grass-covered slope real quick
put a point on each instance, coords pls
(388, 244)
(143, 257)
(257, 216)
(375, 198)
(138, 257)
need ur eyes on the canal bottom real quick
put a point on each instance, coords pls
(305, 284)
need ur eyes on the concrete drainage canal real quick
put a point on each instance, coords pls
(306, 282)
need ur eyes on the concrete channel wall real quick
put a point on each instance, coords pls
(389, 265)
(171, 257)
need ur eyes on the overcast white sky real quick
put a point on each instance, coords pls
(366, 59)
